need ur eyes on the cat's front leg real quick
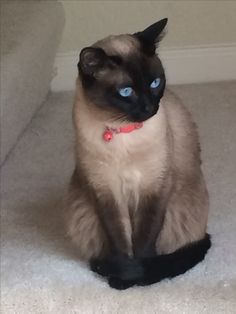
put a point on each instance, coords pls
(149, 222)
(117, 226)
(119, 264)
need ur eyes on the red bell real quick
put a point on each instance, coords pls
(107, 136)
(138, 125)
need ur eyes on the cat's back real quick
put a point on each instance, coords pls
(183, 131)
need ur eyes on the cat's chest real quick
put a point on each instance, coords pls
(128, 176)
(131, 163)
(123, 181)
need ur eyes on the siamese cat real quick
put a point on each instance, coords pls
(137, 205)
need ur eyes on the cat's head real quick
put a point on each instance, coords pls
(123, 75)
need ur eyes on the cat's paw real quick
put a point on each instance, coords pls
(101, 267)
(120, 284)
(121, 267)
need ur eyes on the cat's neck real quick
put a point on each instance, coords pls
(91, 124)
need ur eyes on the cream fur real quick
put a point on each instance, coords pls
(162, 158)
(120, 44)
(122, 165)
(136, 163)
(84, 228)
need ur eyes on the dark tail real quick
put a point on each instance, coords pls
(177, 263)
(124, 273)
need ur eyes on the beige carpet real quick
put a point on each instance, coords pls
(40, 270)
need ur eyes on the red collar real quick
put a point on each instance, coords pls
(109, 132)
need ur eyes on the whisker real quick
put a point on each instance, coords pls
(121, 118)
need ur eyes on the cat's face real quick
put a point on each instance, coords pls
(123, 75)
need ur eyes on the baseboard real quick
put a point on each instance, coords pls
(183, 66)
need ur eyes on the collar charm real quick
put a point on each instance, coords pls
(108, 134)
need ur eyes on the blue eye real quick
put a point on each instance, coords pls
(126, 91)
(155, 83)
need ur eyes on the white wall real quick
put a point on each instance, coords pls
(193, 25)
(190, 22)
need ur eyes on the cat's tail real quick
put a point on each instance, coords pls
(124, 273)
(171, 265)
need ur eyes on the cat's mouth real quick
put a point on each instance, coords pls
(142, 116)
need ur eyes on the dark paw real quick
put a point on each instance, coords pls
(101, 267)
(147, 282)
(120, 284)
(121, 267)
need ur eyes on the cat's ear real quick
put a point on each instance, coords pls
(151, 35)
(92, 60)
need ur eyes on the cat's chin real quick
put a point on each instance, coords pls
(141, 119)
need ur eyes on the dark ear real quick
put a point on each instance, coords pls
(151, 35)
(92, 60)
